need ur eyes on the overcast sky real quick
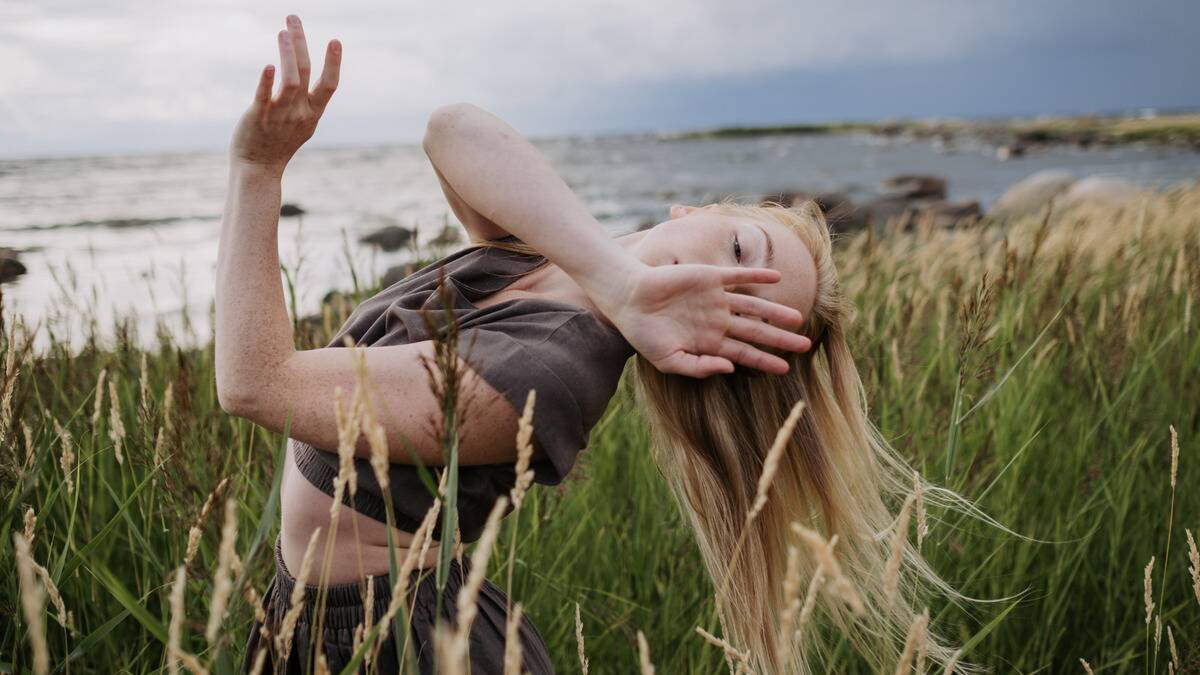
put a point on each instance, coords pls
(94, 76)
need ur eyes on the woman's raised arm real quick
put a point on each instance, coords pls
(677, 316)
(253, 332)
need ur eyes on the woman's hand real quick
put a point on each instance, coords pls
(682, 318)
(273, 129)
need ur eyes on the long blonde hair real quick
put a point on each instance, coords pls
(837, 475)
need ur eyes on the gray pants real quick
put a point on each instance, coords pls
(345, 610)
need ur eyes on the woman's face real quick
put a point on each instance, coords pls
(704, 236)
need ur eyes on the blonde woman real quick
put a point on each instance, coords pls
(733, 312)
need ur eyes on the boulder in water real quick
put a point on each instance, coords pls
(1100, 191)
(915, 186)
(10, 266)
(389, 238)
(1032, 194)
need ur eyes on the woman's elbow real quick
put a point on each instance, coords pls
(236, 402)
(448, 119)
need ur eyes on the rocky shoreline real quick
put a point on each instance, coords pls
(1011, 138)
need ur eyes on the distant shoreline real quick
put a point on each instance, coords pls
(1174, 130)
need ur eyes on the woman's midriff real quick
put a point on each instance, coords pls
(360, 546)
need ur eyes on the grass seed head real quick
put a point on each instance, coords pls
(33, 599)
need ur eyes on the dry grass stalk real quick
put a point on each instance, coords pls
(1087, 667)
(169, 407)
(822, 550)
(1147, 583)
(810, 599)
(349, 427)
(423, 534)
(28, 434)
(644, 655)
(67, 460)
(791, 604)
(376, 436)
(1157, 631)
(144, 382)
(583, 661)
(952, 664)
(724, 629)
(63, 617)
(196, 530)
(222, 581)
(33, 599)
(30, 523)
(287, 627)
(252, 598)
(445, 646)
(160, 442)
(1174, 651)
(512, 641)
(891, 570)
(368, 622)
(468, 595)
(731, 652)
(10, 382)
(1194, 566)
(1174, 454)
(99, 403)
(919, 508)
(524, 452)
(914, 646)
(116, 427)
(771, 463)
(176, 656)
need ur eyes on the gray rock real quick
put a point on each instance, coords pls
(1100, 191)
(1032, 194)
(915, 186)
(10, 266)
(950, 214)
(389, 238)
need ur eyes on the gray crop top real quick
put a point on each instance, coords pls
(565, 352)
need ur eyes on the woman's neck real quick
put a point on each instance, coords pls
(552, 282)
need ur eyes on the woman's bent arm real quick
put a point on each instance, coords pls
(503, 177)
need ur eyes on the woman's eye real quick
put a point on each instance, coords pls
(737, 249)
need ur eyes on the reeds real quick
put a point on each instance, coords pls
(33, 599)
(1085, 313)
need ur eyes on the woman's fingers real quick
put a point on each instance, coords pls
(289, 82)
(693, 365)
(329, 75)
(752, 357)
(732, 276)
(762, 333)
(300, 50)
(780, 315)
(262, 95)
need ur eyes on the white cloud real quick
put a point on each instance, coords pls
(82, 68)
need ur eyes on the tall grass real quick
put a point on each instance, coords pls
(1037, 366)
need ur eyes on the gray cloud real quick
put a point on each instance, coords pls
(102, 74)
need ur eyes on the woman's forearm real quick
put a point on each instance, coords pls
(504, 177)
(253, 331)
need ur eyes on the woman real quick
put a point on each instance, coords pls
(734, 315)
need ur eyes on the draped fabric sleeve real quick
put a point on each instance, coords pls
(569, 363)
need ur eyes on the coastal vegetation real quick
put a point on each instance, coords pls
(1181, 130)
(1046, 366)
